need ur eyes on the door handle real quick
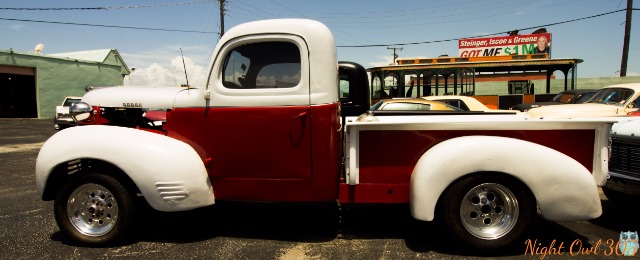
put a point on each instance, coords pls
(301, 115)
(297, 128)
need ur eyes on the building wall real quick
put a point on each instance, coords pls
(57, 78)
(557, 85)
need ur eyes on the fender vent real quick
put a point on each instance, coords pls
(172, 191)
(625, 156)
(74, 166)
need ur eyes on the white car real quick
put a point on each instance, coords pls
(615, 100)
(465, 103)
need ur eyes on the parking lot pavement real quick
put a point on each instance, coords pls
(266, 231)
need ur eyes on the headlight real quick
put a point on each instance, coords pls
(80, 111)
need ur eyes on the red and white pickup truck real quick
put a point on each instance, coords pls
(267, 126)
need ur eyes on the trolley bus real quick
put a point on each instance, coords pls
(497, 81)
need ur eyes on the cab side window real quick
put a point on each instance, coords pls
(262, 65)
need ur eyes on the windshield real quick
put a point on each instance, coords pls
(377, 105)
(69, 101)
(583, 98)
(612, 96)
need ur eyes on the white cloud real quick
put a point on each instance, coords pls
(162, 55)
(171, 76)
(17, 27)
(382, 61)
(195, 73)
(163, 66)
(386, 60)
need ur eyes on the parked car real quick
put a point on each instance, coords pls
(62, 118)
(634, 113)
(623, 184)
(464, 103)
(615, 100)
(412, 104)
(571, 96)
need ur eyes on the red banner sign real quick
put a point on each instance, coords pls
(505, 45)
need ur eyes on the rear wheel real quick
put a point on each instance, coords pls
(488, 211)
(94, 209)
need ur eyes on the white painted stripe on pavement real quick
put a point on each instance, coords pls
(11, 148)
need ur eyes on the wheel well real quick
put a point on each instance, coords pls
(439, 204)
(65, 172)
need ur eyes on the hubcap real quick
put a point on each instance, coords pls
(489, 211)
(92, 209)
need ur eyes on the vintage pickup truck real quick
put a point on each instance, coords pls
(267, 126)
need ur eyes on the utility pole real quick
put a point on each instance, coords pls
(222, 11)
(395, 56)
(627, 35)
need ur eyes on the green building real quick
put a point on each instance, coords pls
(33, 84)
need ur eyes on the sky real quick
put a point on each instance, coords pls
(165, 28)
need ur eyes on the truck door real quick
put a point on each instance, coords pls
(259, 116)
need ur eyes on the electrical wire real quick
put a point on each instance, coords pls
(101, 8)
(339, 46)
(107, 26)
(479, 36)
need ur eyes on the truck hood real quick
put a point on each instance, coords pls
(574, 110)
(143, 97)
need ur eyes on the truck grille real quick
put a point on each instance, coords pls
(625, 156)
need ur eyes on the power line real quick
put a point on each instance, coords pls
(418, 13)
(285, 7)
(340, 46)
(251, 11)
(107, 26)
(479, 36)
(101, 8)
(303, 15)
(440, 18)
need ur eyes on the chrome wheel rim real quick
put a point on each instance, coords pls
(92, 209)
(489, 211)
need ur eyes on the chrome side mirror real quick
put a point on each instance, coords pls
(80, 111)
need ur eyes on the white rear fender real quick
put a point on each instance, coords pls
(564, 189)
(169, 173)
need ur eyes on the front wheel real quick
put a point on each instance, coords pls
(489, 211)
(94, 209)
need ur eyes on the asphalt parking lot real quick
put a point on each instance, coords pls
(266, 231)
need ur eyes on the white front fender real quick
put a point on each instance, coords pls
(169, 173)
(564, 189)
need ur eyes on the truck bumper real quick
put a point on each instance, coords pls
(623, 183)
(60, 123)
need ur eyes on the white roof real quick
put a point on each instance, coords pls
(634, 86)
(94, 55)
(100, 56)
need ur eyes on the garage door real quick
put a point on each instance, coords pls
(18, 88)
